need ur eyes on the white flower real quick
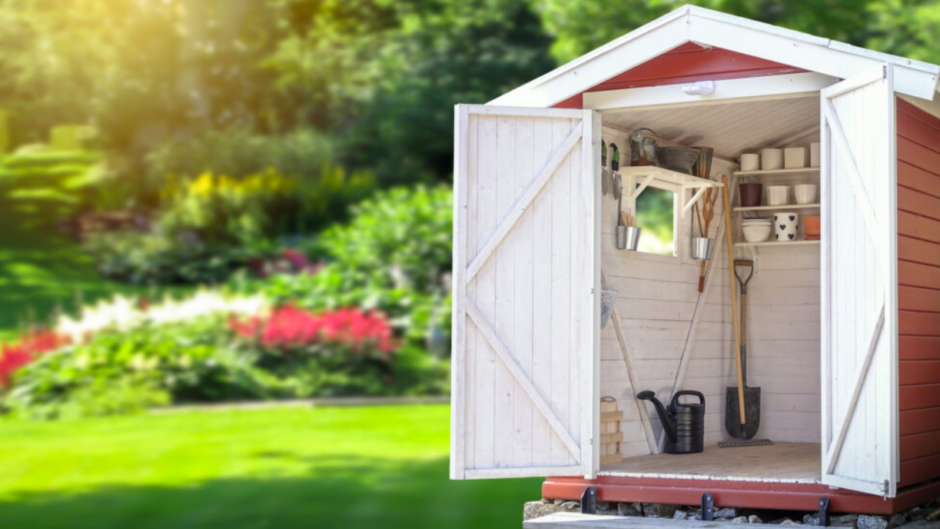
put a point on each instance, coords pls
(123, 313)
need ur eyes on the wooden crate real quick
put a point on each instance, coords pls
(611, 434)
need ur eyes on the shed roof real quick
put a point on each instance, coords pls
(711, 28)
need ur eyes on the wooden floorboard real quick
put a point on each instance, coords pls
(791, 462)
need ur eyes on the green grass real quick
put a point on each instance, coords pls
(42, 271)
(281, 468)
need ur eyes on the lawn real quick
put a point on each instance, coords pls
(280, 468)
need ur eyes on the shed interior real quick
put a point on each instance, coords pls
(662, 338)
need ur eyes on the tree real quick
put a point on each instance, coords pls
(903, 27)
(385, 75)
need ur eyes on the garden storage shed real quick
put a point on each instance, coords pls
(843, 333)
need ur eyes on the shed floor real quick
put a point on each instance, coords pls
(783, 462)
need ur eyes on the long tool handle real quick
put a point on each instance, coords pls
(734, 298)
(744, 337)
(701, 278)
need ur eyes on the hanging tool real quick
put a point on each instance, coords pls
(617, 180)
(708, 211)
(606, 179)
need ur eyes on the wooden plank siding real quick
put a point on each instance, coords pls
(687, 63)
(919, 292)
(524, 290)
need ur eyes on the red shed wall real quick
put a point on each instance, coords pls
(919, 292)
(687, 63)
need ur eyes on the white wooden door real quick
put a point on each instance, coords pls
(526, 284)
(859, 285)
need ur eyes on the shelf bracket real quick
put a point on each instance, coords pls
(695, 198)
(643, 185)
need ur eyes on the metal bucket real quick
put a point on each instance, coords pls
(608, 299)
(628, 237)
(701, 248)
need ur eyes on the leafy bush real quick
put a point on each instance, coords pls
(214, 224)
(135, 360)
(239, 152)
(392, 257)
(119, 372)
(63, 179)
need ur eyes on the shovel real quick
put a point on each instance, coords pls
(751, 395)
(748, 430)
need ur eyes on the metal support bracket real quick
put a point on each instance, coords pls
(825, 518)
(708, 507)
(589, 501)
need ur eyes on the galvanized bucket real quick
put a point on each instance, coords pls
(701, 248)
(628, 237)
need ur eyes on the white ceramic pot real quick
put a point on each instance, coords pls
(794, 158)
(814, 155)
(756, 232)
(750, 162)
(787, 226)
(805, 193)
(771, 159)
(778, 195)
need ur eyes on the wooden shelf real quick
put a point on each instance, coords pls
(777, 208)
(638, 178)
(778, 172)
(774, 243)
(660, 174)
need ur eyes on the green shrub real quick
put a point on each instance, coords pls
(239, 152)
(391, 257)
(216, 359)
(120, 372)
(213, 224)
(160, 258)
(64, 179)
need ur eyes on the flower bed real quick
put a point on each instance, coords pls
(127, 355)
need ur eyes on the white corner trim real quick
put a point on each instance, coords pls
(728, 91)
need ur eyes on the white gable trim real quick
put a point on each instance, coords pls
(707, 27)
(728, 91)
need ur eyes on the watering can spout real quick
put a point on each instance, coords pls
(669, 424)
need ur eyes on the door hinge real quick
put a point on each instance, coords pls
(886, 487)
(884, 71)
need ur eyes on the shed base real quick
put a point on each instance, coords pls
(741, 494)
(787, 462)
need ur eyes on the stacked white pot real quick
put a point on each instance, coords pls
(756, 230)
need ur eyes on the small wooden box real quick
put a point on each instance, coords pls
(611, 434)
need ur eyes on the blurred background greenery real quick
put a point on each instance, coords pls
(221, 201)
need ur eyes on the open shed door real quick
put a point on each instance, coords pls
(859, 285)
(526, 284)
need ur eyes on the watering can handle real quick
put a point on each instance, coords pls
(675, 398)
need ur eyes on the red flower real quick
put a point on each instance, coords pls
(30, 345)
(289, 327)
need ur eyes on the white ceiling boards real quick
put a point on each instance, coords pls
(731, 129)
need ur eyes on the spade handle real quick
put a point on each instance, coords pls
(734, 300)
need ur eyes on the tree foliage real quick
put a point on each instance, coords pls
(903, 27)
(378, 76)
